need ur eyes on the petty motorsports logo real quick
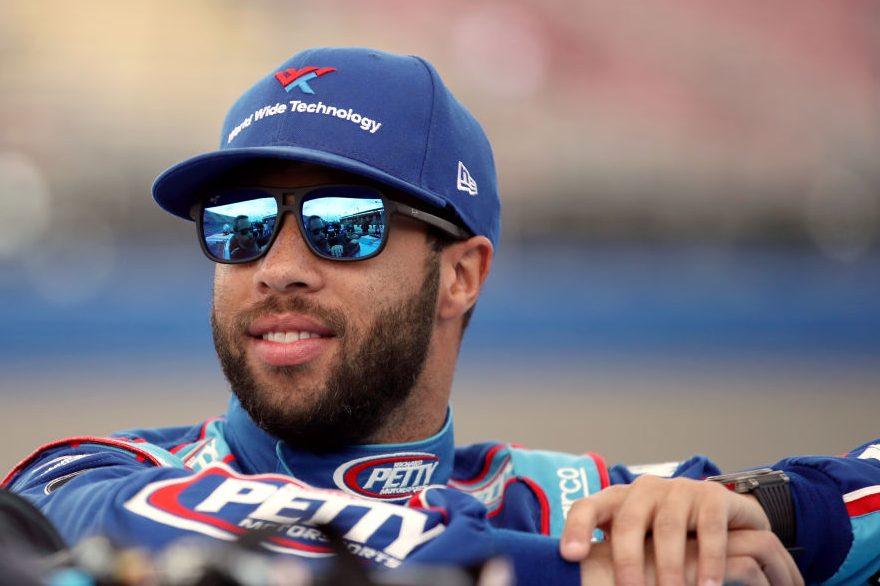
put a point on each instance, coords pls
(300, 78)
(387, 477)
(222, 504)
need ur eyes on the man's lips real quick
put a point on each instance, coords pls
(289, 336)
(289, 339)
(288, 322)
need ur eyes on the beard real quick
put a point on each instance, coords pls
(374, 375)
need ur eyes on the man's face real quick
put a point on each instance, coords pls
(242, 230)
(321, 353)
(316, 230)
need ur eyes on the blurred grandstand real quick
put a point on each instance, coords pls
(691, 223)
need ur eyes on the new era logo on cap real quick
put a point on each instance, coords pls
(291, 78)
(466, 183)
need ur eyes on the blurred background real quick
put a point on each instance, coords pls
(690, 259)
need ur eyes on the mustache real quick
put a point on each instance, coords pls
(332, 318)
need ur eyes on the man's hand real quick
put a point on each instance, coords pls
(669, 510)
(754, 558)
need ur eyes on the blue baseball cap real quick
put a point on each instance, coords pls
(386, 117)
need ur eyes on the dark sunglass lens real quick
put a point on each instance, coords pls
(238, 229)
(344, 226)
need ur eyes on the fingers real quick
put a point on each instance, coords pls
(719, 511)
(712, 525)
(584, 517)
(596, 569)
(670, 510)
(624, 510)
(629, 512)
(687, 507)
(628, 531)
(769, 556)
(670, 534)
(745, 512)
(745, 571)
(752, 558)
(574, 548)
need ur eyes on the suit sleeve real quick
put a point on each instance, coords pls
(81, 485)
(837, 511)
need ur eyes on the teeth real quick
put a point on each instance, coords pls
(288, 337)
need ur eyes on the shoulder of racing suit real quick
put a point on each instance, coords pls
(148, 488)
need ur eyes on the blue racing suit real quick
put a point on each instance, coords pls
(424, 501)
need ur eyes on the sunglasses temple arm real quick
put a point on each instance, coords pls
(448, 227)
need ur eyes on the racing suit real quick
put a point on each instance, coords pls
(424, 501)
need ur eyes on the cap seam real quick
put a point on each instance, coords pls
(430, 132)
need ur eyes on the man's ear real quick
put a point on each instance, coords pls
(464, 267)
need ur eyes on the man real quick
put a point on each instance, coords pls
(341, 371)
(316, 231)
(242, 244)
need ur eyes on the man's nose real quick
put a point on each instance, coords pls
(289, 265)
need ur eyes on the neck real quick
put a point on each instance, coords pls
(412, 422)
(389, 472)
(424, 412)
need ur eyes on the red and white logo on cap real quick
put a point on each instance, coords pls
(291, 78)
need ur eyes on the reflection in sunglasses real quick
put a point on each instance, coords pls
(338, 222)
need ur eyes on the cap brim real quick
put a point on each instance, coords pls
(179, 187)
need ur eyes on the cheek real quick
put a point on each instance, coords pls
(373, 287)
(399, 277)
(229, 283)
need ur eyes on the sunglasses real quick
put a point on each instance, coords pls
(338, 222)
